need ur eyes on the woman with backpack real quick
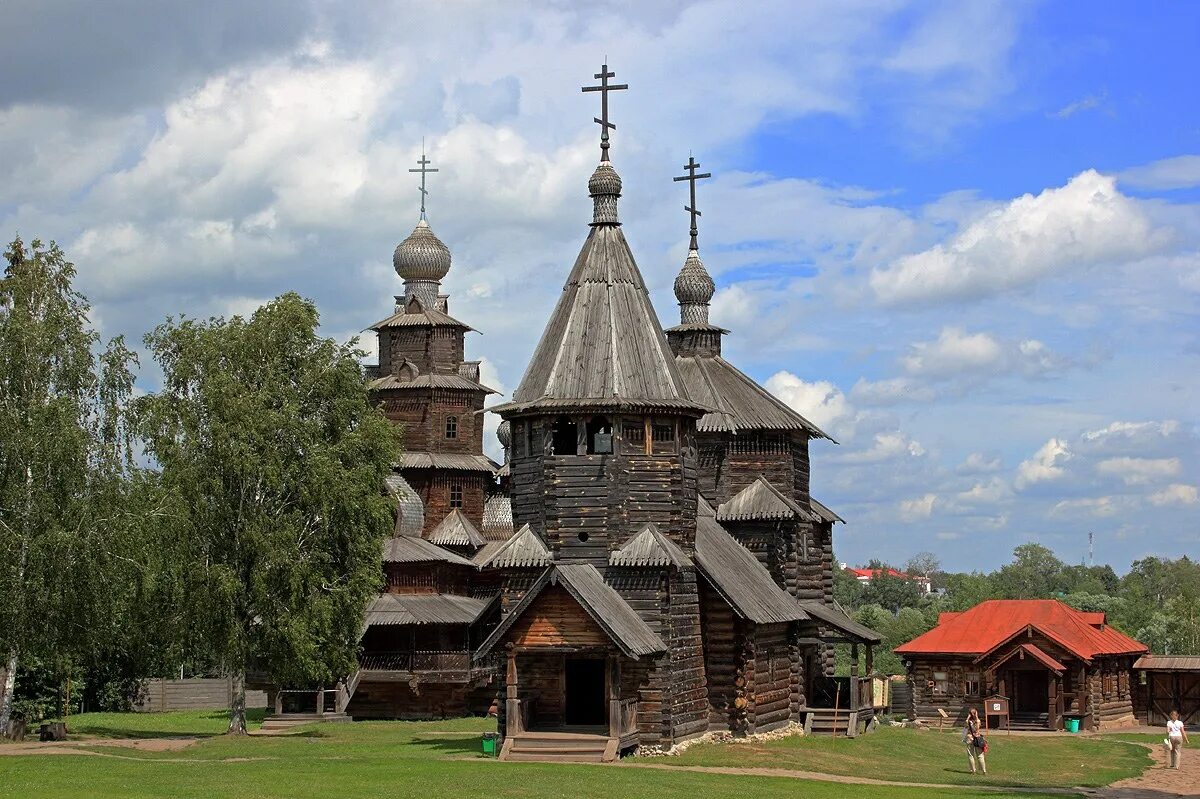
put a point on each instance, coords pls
(975, 741)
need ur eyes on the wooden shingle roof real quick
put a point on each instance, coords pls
(738, 402)
(410, 511)
(456, 530)
(417, 315)
(393, 609)
(739, 578)
(524, 550)
(446, 460)
(603, 346)
(450, 381)
(649, 548)
(761, 501)
(497, 518)
(410, 549)
(600, 601)
(824, 512)
(832, 617)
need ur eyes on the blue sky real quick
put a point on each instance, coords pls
(962, 237)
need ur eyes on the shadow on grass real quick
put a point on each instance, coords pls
(446, 746)
(214, 722)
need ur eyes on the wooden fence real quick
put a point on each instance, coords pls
(194, 693)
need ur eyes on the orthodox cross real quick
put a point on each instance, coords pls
(604, 88)
(424, 169)
(691, 177)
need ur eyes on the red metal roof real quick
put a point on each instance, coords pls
(871, 574)
(990, 623)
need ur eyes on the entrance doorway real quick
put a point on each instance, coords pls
(1032, 692)
(585, 705)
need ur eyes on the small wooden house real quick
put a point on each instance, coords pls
(1050, 660)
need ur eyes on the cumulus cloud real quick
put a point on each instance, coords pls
(885, 447)
(1099, 507)
(1046, 464)
(1086, 222)
(1139, 471)
(980, 463)
(1176, 494)
(892, 391)
(918, 507)
(821, 402)
(957, 353)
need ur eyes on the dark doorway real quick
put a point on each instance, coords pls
(566, 436)
(1032, 692)
(585, 693)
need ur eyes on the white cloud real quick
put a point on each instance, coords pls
(1099, 507)
(885, 447)
(1180, 172)
(892, 391)
(1139, 471)
(917, 508)
(1086, 222)
(985, 493)
(1087, 103)
(1176, 494)
(821, 402)
(956, 352)
(1046, 464)
(979, 463)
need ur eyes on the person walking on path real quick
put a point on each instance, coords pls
(1176, 738)
(976, 743)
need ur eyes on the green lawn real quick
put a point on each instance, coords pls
(426, 760)
(892, 753)
(158, 725)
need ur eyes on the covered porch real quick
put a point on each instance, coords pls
(845, 705)
(574, 659)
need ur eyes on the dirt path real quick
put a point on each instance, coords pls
(850, 780)
(73, 747)
(1159, 781)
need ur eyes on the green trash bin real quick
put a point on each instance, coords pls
(489, 743)
(1072, 725)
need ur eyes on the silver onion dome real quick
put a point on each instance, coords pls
(605, 187)
(422, 256)
(693, 285)
(504, 434)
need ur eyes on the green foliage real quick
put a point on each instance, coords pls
(68, 536)
(265, 438)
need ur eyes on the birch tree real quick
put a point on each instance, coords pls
(64, 451)
(264, 433)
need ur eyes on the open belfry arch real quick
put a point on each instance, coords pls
(646, 565)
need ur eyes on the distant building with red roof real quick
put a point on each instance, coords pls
(867, 575)
(1049, 659)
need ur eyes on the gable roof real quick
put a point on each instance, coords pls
(739, 578)
(603, 345)
(525, 549)
(824, 512)
(497, 518)
(410, 549)
(456, 530)
(649, 548)
(738, 402)
(1034, 651)
(586, 585)
(989, 624)
(760, 500)
(393, 609)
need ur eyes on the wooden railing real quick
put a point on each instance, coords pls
(416, 661)
(627, 722)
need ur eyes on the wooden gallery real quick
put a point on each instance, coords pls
(647, 565)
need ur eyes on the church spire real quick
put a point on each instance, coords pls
(422, 260)
(694, 287)
(605, 184)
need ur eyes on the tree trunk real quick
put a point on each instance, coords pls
(237, 709)
(6, 693)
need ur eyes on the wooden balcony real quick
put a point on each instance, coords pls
(443, 665)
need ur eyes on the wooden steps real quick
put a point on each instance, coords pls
(288, 720)
(562, 747)
(1029, 721)
(824, 721)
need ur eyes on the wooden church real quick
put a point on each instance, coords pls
(646, 566)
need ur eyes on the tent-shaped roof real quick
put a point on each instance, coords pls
(497, 518)
(456, 530)
(586, 585)
(524, 550)
(649, 548)
(762, 501)
(739, 402)
(603, 346)
(410, 511)
(991, 623)
(738, 577)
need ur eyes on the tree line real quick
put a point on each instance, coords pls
(230, 521)
(1157, 601)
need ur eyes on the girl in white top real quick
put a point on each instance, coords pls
(1177, 737)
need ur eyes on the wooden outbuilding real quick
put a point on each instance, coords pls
(1050, 660)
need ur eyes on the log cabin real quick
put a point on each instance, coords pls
(1050, 660)
(646, 566)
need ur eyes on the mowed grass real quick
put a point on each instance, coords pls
(905, 755)
(429, 760)
(158, 725)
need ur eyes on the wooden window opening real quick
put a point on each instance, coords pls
(941, 683)
(456, 495)
(972, 684)
(451, 427)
